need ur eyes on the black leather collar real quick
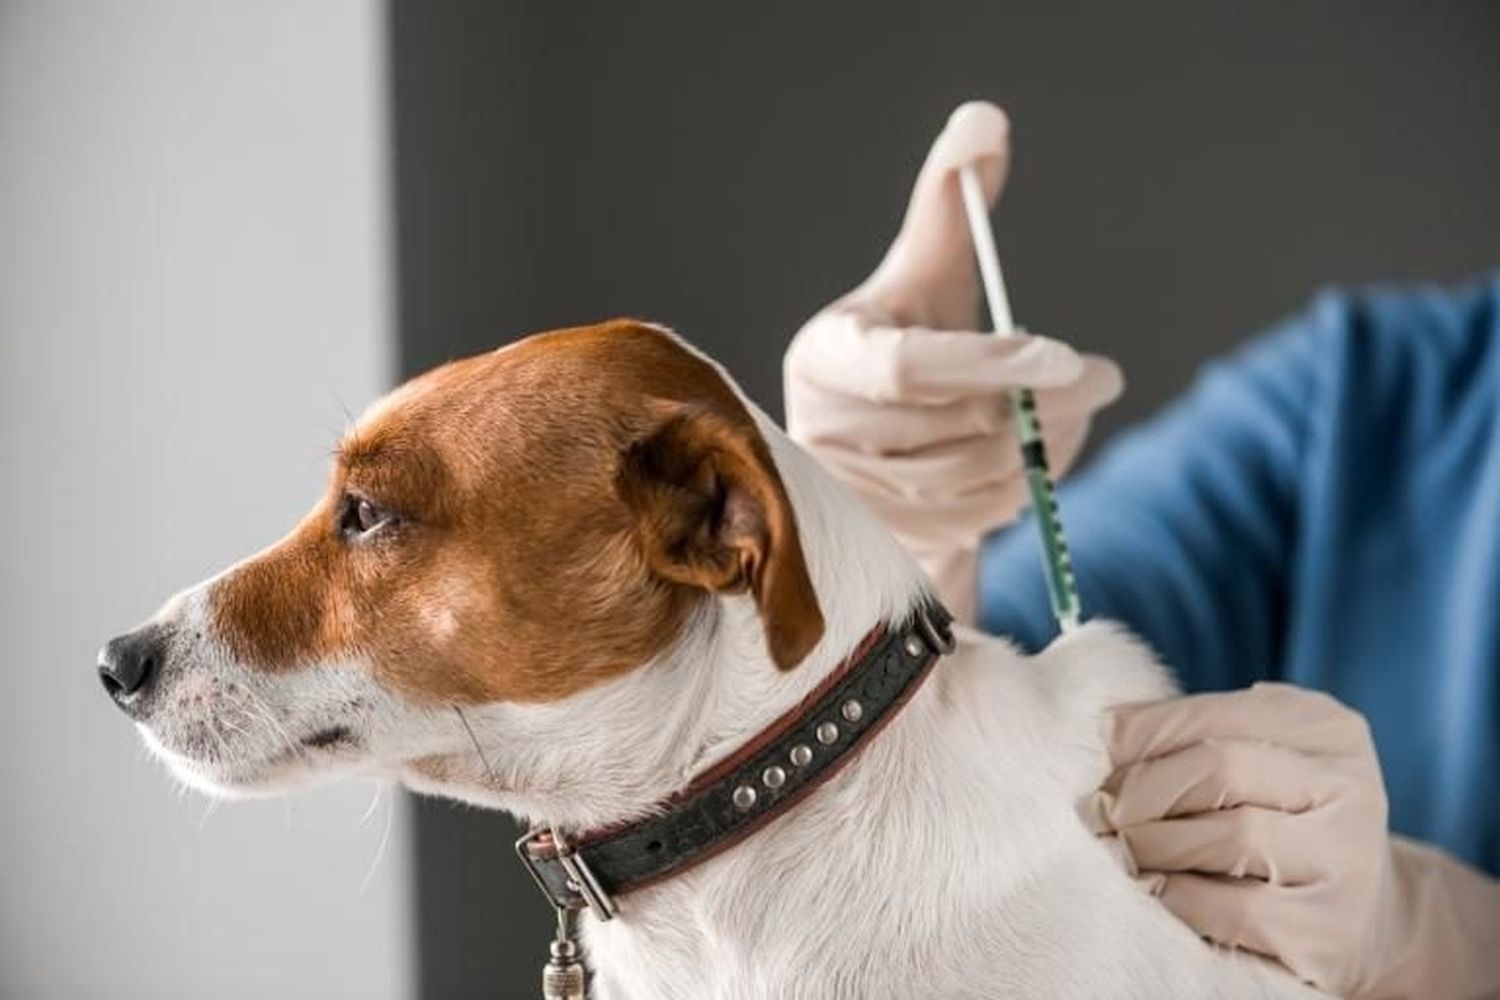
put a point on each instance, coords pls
(736, 797)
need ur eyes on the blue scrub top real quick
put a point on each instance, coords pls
(1323, 507)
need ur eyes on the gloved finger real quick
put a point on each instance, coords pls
(955, 472)
(828, 420)
(1244, 841)
(1151, 883)
(1293, 717)
(928, 276)
(1099, 384)
(938, 471)
(1236, 913)
(842, 353)
(1215, 774)
(934, 225)
(891, 428)
(954, 521)
(977, 134)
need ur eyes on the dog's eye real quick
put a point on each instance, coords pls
(359, 516)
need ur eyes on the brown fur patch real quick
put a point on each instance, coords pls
(522, 564)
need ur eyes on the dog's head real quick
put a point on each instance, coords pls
(511, 529)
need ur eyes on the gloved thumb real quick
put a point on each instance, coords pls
(977, 134)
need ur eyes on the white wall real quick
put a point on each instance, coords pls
(193, 243)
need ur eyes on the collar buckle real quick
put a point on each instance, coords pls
(580, 877)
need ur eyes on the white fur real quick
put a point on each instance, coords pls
(947, 860)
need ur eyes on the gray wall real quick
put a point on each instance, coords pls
(192, 281)
(1185, 173)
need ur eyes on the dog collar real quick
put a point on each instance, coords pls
(731, 800)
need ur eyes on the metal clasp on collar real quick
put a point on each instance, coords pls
(939, 637)
(581, 878)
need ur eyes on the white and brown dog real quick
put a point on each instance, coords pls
(620, 572)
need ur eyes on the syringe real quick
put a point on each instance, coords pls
(1062, 588)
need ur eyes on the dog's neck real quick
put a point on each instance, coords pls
(613, 752)
(862, 578)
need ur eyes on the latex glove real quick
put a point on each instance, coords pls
(891, 388)
(1259, 818)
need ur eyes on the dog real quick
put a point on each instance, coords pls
(566, 577)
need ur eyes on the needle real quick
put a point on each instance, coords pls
(1062, 588)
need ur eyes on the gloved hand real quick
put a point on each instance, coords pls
(1259, 818)
(891, 388)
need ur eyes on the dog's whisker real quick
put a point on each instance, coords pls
(262, 717)
(385, 840)
(269, 717)
(344, 407)
(380, 789)
(264, 721)
(489, 771)
(221, 748)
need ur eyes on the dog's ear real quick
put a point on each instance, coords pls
(712, 512)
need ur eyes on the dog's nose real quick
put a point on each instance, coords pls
(128, 664)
